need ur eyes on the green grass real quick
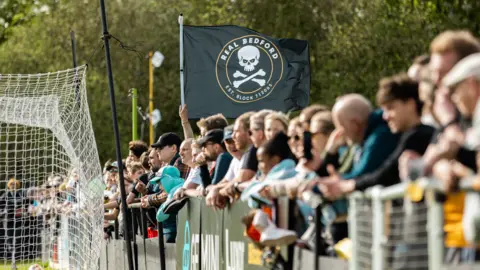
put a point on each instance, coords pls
(22, 265)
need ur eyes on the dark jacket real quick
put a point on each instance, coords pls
(379, 142)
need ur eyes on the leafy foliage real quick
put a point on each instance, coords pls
(353, 44)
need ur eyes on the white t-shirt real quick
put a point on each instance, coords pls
(194, 177)
(234, 168)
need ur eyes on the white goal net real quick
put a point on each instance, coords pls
(51, 187)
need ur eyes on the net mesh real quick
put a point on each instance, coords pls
(51, 187)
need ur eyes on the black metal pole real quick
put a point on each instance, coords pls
(74, 49)
(144, 234)
(115, 226)
(134, 237)
(291, 226)
(318, 235)
(74, 60)
(126, 220)
(161, 245)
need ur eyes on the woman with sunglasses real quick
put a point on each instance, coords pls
(295, 143)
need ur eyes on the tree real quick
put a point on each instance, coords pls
(353, 44)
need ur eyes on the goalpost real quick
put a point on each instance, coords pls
(51, 187)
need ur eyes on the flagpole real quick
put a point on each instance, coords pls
(182, 86)
(150, 97)
(126, 216)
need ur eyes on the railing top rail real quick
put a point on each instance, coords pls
(135, 205)
(468, 184)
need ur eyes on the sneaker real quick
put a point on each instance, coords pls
(270, 235)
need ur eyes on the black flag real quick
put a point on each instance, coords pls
(232, 70)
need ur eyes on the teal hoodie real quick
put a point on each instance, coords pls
(378, 144)
(169, 177)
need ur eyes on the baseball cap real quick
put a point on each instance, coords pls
(228, 133)
(168, 139)
(169, 177)
(465, 68)
(113, 166)
(215, 135)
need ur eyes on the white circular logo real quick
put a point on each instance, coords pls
(249, 68)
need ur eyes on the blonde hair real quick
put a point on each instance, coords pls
(245, 119)
(279, 116)
(134, 167)
(216, 121)
(258, 119)
(462, 43)
(325, 119)
(14, 184)
(311, 110)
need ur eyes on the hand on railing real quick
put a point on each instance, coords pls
(403, 163)
(141, 187)
(144, 201)
(179, 194)
(215, 199)
(449, 173)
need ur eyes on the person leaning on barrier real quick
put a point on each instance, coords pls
(217, 195)
(237, 154)
(275, 123)
(234, 168)
(189, 150)
(447, 49)
(420, 72)
(294, 133)
(135, 170)
(214, 150)
(463, 82)
(321, 127)
(401, 106)
(167, 148)
(355, 120)
(144, 159)
(258, 138)
(257, 127)
(306, 115)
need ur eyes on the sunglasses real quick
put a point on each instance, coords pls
(229, 141)
(296, 138)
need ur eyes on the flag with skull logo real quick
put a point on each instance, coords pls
(232, 70)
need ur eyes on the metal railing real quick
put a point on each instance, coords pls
(399, 227)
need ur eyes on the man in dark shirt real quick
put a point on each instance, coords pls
(214, 150)
(167, 148)
(398, 98)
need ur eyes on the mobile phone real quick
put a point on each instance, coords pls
(307, 145)
(143, 178)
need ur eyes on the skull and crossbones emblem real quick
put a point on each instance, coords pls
(248, 58)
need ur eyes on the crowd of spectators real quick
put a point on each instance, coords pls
(425, 123)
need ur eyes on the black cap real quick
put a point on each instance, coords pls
(168, 139)
(215, 136)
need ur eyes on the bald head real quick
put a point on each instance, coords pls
(352, 106)
(351, 113)
(186, 151)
